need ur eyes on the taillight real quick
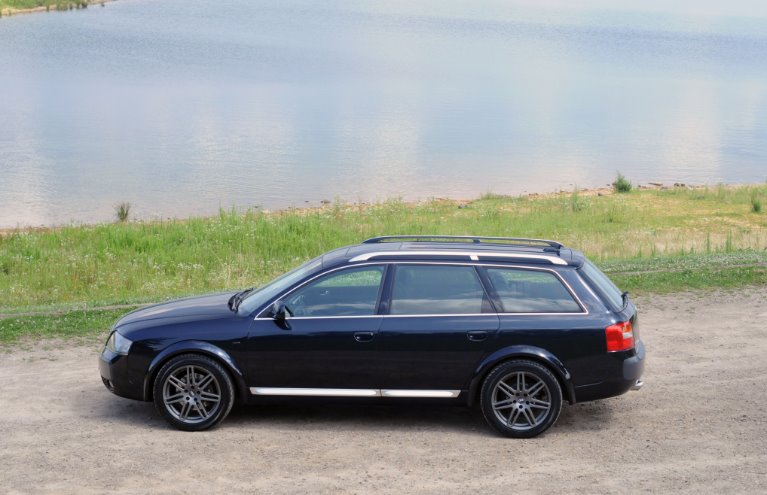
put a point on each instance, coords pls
(620, 337)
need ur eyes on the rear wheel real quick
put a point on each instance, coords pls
(521, 398)
(193, 392)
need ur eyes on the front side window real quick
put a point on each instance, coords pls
(437, 289)
(263, 294)
(352, 292)
(531, 291)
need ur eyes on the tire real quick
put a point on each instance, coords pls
(521, 399)
(193, 392)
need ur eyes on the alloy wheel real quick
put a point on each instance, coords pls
(191, 394)
(521, 400)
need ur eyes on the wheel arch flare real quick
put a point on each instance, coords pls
(195, 347)
(531, 353)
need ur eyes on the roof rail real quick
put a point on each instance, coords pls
(472, 255)
(465, 238)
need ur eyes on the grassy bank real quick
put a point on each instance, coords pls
(10, 7)
(648, 240)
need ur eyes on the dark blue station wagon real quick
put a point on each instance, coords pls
(515, 325)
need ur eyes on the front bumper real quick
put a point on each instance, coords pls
(116, 375)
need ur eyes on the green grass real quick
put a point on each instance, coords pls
(30, 4)
(70, 324)
(25, 4)
(649, 240)
(722, 270)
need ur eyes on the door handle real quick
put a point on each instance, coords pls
(476, 335)
(363, 336)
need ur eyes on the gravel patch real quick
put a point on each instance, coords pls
(699, 425)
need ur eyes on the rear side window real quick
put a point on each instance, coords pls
(531, 291)
(603, 284)
(437, 289)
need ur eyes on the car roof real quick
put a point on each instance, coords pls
(456, 248)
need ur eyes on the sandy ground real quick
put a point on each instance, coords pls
(699, 425)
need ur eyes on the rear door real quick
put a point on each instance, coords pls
(540, 309)
(437, 328)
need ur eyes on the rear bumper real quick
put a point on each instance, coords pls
(627, 376)
(633, 367)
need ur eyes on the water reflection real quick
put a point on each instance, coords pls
(182, 110)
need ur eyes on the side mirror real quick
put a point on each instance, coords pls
(280, 312)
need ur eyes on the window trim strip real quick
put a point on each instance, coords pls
(446, 262)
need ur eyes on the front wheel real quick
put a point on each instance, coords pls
(193, 392)
(521, 399)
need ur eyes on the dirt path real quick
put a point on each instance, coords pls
(699, 425)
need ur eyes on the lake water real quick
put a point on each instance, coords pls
(182, 109)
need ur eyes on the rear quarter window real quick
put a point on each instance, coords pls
(531, 291)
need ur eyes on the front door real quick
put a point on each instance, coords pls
(328, 346)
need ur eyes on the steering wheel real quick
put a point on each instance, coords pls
(298, 306)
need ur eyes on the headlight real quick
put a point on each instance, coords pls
(118, 344)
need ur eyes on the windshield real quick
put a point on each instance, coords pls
(264, 294)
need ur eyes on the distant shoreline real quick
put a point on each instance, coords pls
(10, 12)
(326, 204)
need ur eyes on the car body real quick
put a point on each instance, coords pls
(516, 325)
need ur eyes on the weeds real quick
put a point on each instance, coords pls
(621, 184)
(577, 203)
(489, 196)
(721, 192)
(756, 203)
(122, 211)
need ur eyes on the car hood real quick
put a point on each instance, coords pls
(187, 309)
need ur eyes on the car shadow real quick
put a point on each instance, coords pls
(586, 416)
(350, 417)
(111, 408)
(589, 416)
(97, 404)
